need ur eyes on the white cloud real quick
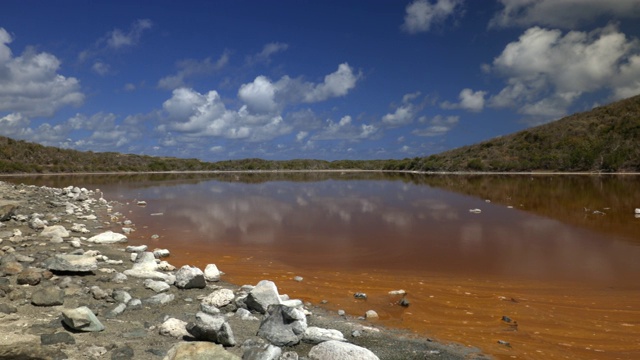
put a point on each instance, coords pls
(191, 68)
(100, 68)
(566, 14)
(268, 50)
(117, 38)
(405, 113)
(439, 125)
(335, 84)
(546, 70)
(469, 100)
(301, 135)
(30, 83)
(216, 149)
(15, 125)
(129, 87)
(345, 130)
(259, 95)
(422, 14)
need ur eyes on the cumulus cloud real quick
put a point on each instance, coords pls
(405, 113)
(345, 130)
(259, 95)
(422, 14)
(30, 83)
(469, 100)
(205, 115)
(335, 84)
(438, 126)
(190, 68)
(117, 39)
(268, 50)
(546, 71)
(567, 14)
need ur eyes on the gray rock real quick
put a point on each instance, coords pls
(134, 304)
(37, 224)
(289, 355)
(212, 328)
(173, 327)
(81, 319)
(121, 296)
(8, 209)
(157, 286)
(108, 237)
(283, 325)
(265, 293)
(29, 276)
(57, 338)
(258, 349)
(211, 310)
(331, 350)
(72, 263)
(316, 335)
(211, 273)
(122, 353)
(48, 296)
(8, 309)
(190, 277)
(245, 314)
(54, 231)
(199, 350)
(161, 253)
(115, 311)
(11, 268)
(136, 249)
(98, 293)
(219, 298)
(160, 299)
(371, 314)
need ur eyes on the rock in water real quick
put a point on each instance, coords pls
(211, 273)
(108, 237)
(330, 350)
(189, 277)
(81, 319)
(212, 328)
(283, 326)
(199, 350)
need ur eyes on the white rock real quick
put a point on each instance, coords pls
(637, 210)
(331, 350)
(157, 286)
(371, 314)
(165, 266)
(211, 273)
(173, 327)
(219, 298)
(136, 249)
(55, 230)
(397, 292)
(108, 237)
(160, 253)
(475, 211)
(316, 335)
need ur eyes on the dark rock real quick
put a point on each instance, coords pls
(265, 293)
(190, 277)
(57, 338)
(360, 295)
(29, 276)
(122, 353)
(506, 319)
(283, 326)
(404, 302)
(258, 349)
(48, 296)
(212, 328)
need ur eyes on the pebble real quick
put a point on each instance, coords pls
(360, 295)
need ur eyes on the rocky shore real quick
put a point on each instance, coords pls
(70, 288)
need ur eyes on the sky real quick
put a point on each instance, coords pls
(314, 79)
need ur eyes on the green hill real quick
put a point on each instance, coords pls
(604, 139)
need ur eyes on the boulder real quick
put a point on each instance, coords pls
(173, 327)
(108, 237)
(145, 267)
(219, 298)
(190, 277)
(54, 231)
(211, 273)
(81, 319)
(332, 349)
(265, 293)
(199, 350)
(283, 325)
(48, 296)
(316, 335)
(72, 263)
(212, 328)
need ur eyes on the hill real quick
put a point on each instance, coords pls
(605, 139)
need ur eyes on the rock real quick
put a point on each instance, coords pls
(371, 314)
(289, 355)
(119, 278)
(161, 253)
(134, 304)
(57, 338)
(173, 327)
(360, 295)
(72, 263)
(81, 319)
(257, 349)
(211, 273)
(8, 309)
(219, 298)
(48, 296)
(212, 328)
(8, 209)
(316, 335)
(157, 286)
(341, 312)
(330, 350)
(121, 296)
(199, 350)
(265, 293)
(122, 353)
(397, 292)
(108, 237)
(55, 230)
(98, 293)
(404, 302)
(190, 277)
(95, 352)
(298, 278)
(29, 276)
(245, 314)
(115, 311)
(159, 299)
(136, 249)
(11, 268)
(165, 266)
(283, 326)
(37, 224)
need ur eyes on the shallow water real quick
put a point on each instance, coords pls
(558, 254)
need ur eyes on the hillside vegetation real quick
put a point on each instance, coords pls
(605, 139)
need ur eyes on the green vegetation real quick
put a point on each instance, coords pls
(605, 139)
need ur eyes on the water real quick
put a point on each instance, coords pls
(539, 243)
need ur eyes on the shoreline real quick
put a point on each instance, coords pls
(135, 330)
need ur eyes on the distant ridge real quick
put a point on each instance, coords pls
(605, 139)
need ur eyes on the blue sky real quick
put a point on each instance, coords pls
(373, 79)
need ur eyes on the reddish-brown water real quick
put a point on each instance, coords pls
(536, 253)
